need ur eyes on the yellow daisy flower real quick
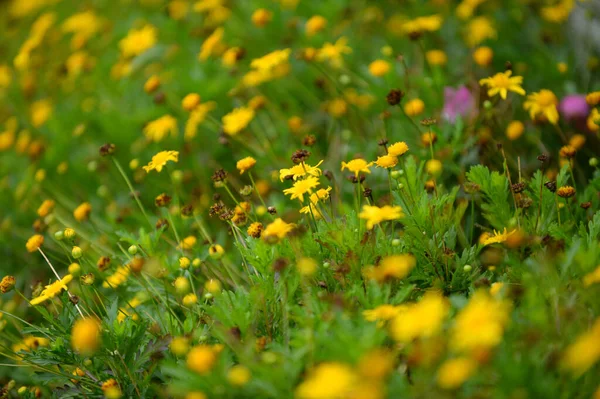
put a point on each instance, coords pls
(160, 160)
(502, 83)
(542, 103)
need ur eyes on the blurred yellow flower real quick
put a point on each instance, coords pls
(160, 128)
(379, 68)
(327, 381)
(201, 359)
(315, 24)
(276, 230)
(454, 372)
(237, 120)
(211, 45)
(582, 354)
(245, 164)
(375, 215)
(138, 41)
(85, 336)
(542, 104)
(414, 107)
(422, 319)
(82, 212)
(160, 160)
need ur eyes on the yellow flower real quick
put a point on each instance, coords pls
(433, 167)
(398, 149)
(138, 41)
(245, 164)
(276, 230)
(51, 290)
(190, 101)
(502, 83)
(238, 375)
(188, 242)
(315, 24)
(189, 300)
(306, 266)
(454, 372)
(261, 17)
(333, 52)
(152, 84)
(414, 107)
(231, 56)
(337, 107)
(237, 120)
(382, 313)
(392, 267)
(41, 111)
(499, 237)
(271, 60)
(300, 170)
(327, 381)
(375, 215)
(386, 161)
(422, 319)
(436, 57)
(7, 284)
(197, 116)
(302, 187)
(478, 30)
(514, 130)
(379, 68)
(117, 278)
(158, 129)
(211, 45)
(82, 212)
(581, 355)
(179, 346)
(593, 120)
(480, 324)
(201, 359)
(559, 12)
(483, 56)
(429, 23)
(34, 242)
(160, 160)
(542, 103)
(357, 165)
(85, 336)
(593, 98)
(592, 277)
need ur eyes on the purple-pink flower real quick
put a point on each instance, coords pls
(457, 102)
(574, 106)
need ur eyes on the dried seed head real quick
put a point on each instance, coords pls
(394, 97)
(309, 140)
(103, 263)
(107, 149)
(585, 205)
(272, 210)
(280, 264)
(550, 185)
(518, 187)
(543, 158)
(163, 200)
(382, 142)
(428, 121)
(471, 187)
(219, 176)
(187, 210)
(162, 223)
(567, 151)
(300, 156)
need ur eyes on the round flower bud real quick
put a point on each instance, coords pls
(593, 162)
(182, 285)
(59, 235)
(184, 262)
(69, 233)
(216, 251)
(395, 174)
(326, 265)
(133, 249)
(467, 268)
(74, 269)
(76, 252)
(395, 242)
(196, 263)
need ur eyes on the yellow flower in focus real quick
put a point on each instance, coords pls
(138, 41)
(422, 319)
(327, 381)
(436, 57)
(300, 170)
(414, 107)
(51, 290)
(357, 165)
(398, 149)
(261, 17)
(542, 104)
(375, 215)
(237, 120)
(238, 375)
(315, 24)
(85, 336)
(379, 68)
(276, 230)
(386, 161)
(34, 242)
(201, 359)
(454, 372)
(302, 187)
(160, 160)
(483, 56)
(514, 130)
(211, 45)
(480, 324)
(582, 354)
(82, 212)
(499, 237)
(245, 164)
(501, 83)
(160, 128)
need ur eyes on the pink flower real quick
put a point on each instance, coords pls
(574, 106)
(457, 102)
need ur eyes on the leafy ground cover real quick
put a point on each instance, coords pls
(337, 199)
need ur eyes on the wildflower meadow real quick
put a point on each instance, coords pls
(335, 199)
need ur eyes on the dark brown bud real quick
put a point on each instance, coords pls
(74, 299)
(300, 156)
(272, 210)
(394, 97)
(219, 176)
(543, 158)
(187, 210)
(499, 146)
(162, 200)
(328, 174)
(428, 121)
(160, 98)
(368, 193)
(414, 36)
(508, 66)
(518, 187)
(107, 149)
(471, 187)
(309, 140)
(162, 223)
(280, 264)
(383, 142)
(585, 205)
(551, 185)
(103, 263)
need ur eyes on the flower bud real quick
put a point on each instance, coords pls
(76, 252)
(133, 249)
(59, 235)
(467, 268)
